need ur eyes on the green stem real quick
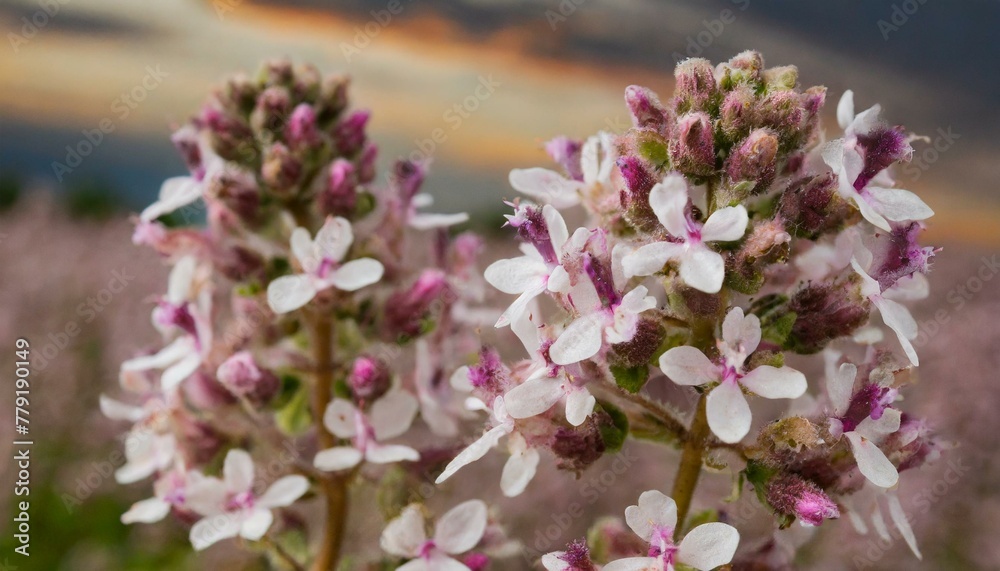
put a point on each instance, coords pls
(690, 467)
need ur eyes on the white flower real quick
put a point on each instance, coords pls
(428, 221)
(865, 436)
(824, 259)
(168, 492)
(877, 204)
(705, 547)
(530, 275)
(456, 532)
(230, 505)
(437, 403)
(544, 386)
(147, 451)
(520, 467)
(320, 260)
(895, 315)
(596, 324)
(597, 160)
(700, 267)
(728, 412)
(179, 191)
(389, 416)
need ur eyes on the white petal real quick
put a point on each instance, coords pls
(284, 492)
(237, 470)
(256, 524)
(703, 269)
(649, 259)
(460, 380)
(687, 365)
(334, 238)
(520, 467)
(117, 410)
(174, 193)
(741, 332)
(289, 293)
(515, 275)
(558, 233)
(146, 511)
(165, 357)
(775, 383)
(214, 528)
(872, 461)
(546, 185)
(898, 318)
(870, 214)
(581, 340)
(534, 397)
(579, 405)
(357, 274)
(339, 418)
(902, 523)
(590, 159)
(708, 546)
(427, 221)
(559, 281)
(461, 528)
(526, 330)
(393, 414)
(520, 305)
(177, 373)
(552, 562)
(876, 430)
(728, 412)
(390, 453)
(304, 250)
(405, 535)
(845, 109)
(726, 224)
(864, 122)
(441, 562)
(337, 458)
(911, 288)
(869, 286)
(668, 199)
(654, 509)
(473, 452)
(897, 204)
(634, 564)
(181, 278)
(840, 387)
(206, 495)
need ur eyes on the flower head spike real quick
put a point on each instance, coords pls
(321, 262)
(390, 416)
(700, 267)
(230, 505)
(728, 412)
(654, 519)
(457, 531)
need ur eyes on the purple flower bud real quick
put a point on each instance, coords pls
(366, 166)
(476, 561)
(782, 112)
(639, 180)
(738, 112)
(647, 111)
(811, 207)
(696, 87)
(230, 137)
(490, 377)
(167, 314)
(340, 198)
(370, 378)
(239, 263)
(566, 152)
(239, 94)
(205, 393)
(899, 255)
(238, 191)
(281, 170)
(767, 243)
(693, 151)
(301, 130)
(198, 442)
(913, 444)
(639, 350)
(754, 160)
(241, 375)
(333, 97)
(882, 148)
(276, 72)
(823, 312)
(407, 178)
(186, 142)
(271, 111)
(793, 496)
(745, 67)
(579, 447)
(349, 134)
(406, 311)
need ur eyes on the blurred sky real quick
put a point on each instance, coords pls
(557, 67)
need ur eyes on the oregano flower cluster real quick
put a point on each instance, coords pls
(321, 326)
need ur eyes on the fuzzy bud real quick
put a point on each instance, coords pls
(824, 312)
(242, 377)
(738, 113)
(239, 94)
(639, 180)
(792, 496)
(332, 98)
(639, 350)
(812, 207)
(693, 151)
(406, 311)
(340, 198)
(753, 161)
(271, 111)
(301, 131)
(781, 78)
(646, 109)
(579, 447)
(370, 378)
(281, 170)
(768, 243)
(349, 134)
(696, 87)
(746, 67)
(230, 137)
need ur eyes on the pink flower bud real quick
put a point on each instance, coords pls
(566, 152)
(738, 112)
(693, 151)
(754, 160)
(639, 180)
(476, 561)
(271, 111)
(695, 85)
(647, 111)
(407, 310)
(366, 165)
(341, 196)
(301, 130)
(793, 496)
(812, 207)
(349, 134)
(281, 170)
(243, 378)
(370, 378)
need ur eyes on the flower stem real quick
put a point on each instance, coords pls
(690, 467)
(334, 487)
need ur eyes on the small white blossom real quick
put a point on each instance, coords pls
(597, 160)
(390, 416)
(457, 531)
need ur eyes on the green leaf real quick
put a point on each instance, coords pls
(295, 417)
(613, 434)
(631, 379)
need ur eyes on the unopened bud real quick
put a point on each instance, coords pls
(639, 180)
(566, 153)
(407, 311)
(738, 113)
(340, 198)
(696, 87)
(824, 312)
(186, 141)
(746, 67)
(580, 446)
(693, 152)
(767, 243)
(754, 162)
(349, 134)
(646, 109)
(793, 496)
(781, 78)
(301, 130)
(242, 377)
(812, 207)
(271, 111)
(281, 170)
(370, 378)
